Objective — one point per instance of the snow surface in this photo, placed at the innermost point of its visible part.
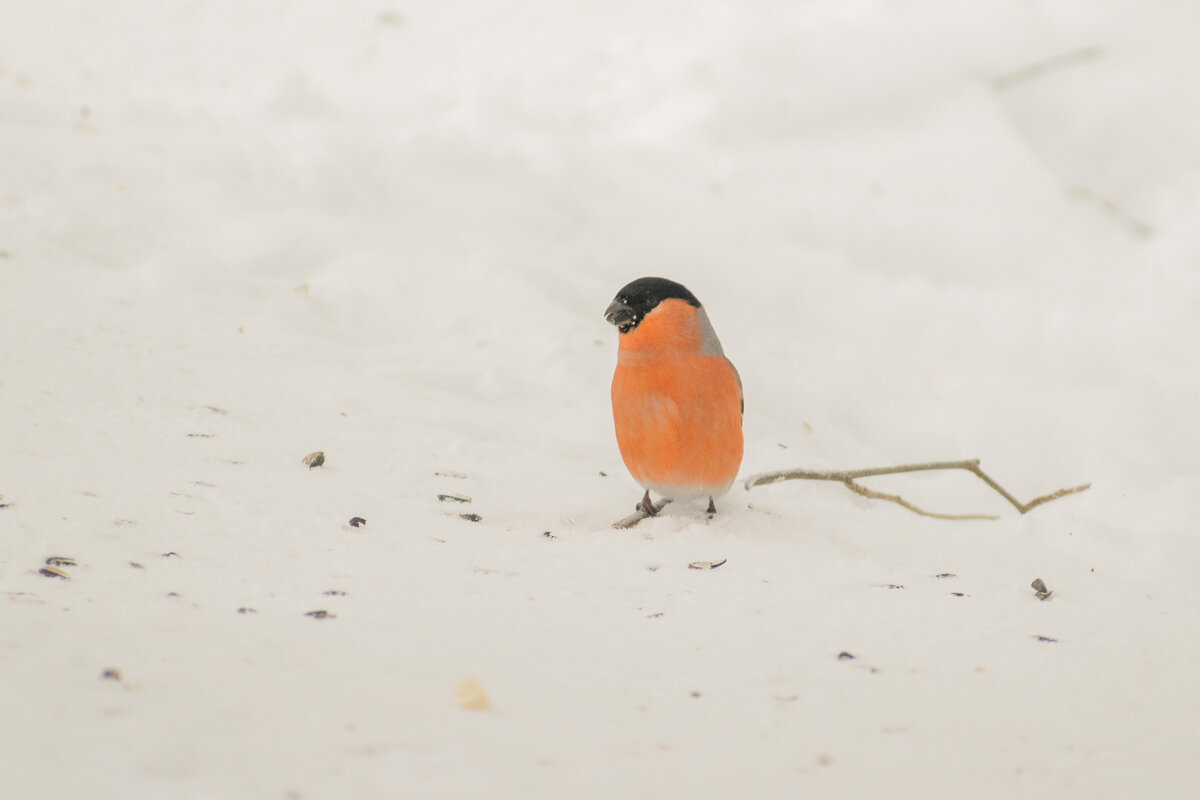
(235, 233)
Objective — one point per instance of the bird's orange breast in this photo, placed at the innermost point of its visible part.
(677, 409)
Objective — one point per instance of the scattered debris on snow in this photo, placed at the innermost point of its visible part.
(470, 695)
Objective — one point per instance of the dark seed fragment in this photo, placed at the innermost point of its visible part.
(357, 522)
(471, 517)
(111, 674)
(61, 561)
(454, 498)
(320, 614)
(844, 656)
(314, 459)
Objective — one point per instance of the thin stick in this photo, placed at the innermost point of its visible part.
(858, 488)
(639, 515)
(1131, 223)
(1040, 68)
(848, 477)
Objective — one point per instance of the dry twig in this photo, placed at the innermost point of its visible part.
(1046, 66)
(858, 488)
(850, 477)
(639, 515)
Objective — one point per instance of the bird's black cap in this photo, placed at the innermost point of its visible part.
(639, 298)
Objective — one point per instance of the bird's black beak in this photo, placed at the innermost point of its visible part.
(618, 313)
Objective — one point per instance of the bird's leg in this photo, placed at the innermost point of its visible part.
(712, 507)
(647, 506)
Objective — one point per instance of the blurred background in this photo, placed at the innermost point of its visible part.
(922, 232)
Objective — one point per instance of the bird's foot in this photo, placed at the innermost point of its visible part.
(644, 509)
(712, 507)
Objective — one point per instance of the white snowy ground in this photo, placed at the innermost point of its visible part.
(235, 233)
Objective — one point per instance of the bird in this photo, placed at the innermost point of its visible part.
(677, 400)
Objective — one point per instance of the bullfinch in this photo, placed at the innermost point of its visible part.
(677, 400)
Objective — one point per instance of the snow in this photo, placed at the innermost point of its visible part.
(233, 234)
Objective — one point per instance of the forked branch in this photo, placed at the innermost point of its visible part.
(850, 479)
